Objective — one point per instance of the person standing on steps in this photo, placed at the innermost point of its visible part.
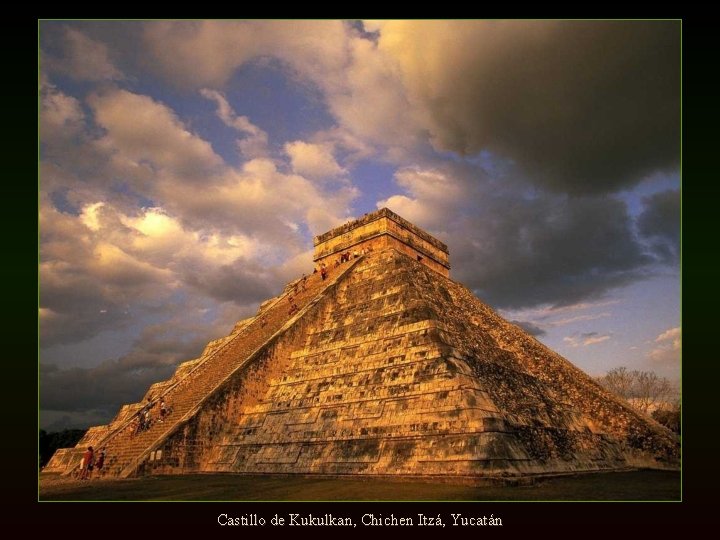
(146, 418)
(135, 426)
(163, 410)
(91, 464)
(87, 464)
(100, 461)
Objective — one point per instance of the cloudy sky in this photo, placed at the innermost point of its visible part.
(185, 167)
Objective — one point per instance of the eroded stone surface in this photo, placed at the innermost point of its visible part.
(400, 372)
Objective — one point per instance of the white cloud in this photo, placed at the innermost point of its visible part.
(579, 318)
(556, 316)
(361, 84)
(89, 216)
(313, 160)
(257, 199)
(162, 238)
(61, 116)
(111, 265)
(433, 200)
(144, 130)
(585, 339)
(228, 115)
(595, 339)
(84, 269)
(256, 140)
(207, 53)
(667, 350)
(202, 53)
(214, 231)
(371, 101)
(672, 335)
(104, 260)
(163, 161)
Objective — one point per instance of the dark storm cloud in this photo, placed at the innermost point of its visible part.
(556, 250)
(79, 316)
(518, 246)
(583, 106)
(91, 50)
(75, 305)
(236, 283)
(660, 224)
(107, 386)
(530, 328)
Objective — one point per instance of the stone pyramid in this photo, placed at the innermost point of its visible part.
(385, 368)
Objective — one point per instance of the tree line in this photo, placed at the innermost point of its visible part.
(646, 392)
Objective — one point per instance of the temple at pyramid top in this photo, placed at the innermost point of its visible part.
(380, 230)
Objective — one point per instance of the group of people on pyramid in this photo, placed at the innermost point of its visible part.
(90, 463)
(143, 419)
(344, 257)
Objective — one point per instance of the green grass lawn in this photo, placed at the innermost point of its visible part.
(646, 485)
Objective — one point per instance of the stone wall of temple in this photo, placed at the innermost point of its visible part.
(380, 230)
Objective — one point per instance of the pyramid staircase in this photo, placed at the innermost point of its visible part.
(126, 449)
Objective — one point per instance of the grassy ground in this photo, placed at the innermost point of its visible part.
(633, 485)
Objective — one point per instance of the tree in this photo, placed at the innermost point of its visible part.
(670, 418)
(651, 391)
(618, 381)
(644, 390)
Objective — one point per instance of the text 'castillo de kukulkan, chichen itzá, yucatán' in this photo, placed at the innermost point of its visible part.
(377, 364)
